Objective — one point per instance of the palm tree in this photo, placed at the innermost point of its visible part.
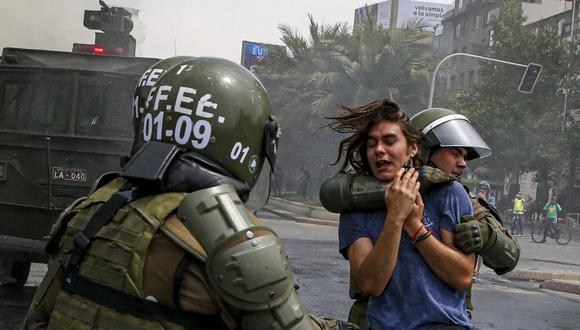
(336, 66)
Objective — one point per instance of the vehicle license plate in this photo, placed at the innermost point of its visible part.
(69, 174)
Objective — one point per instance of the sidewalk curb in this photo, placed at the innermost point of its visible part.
(298, 218)
(301, 212)
(562, 285)
(541, 276)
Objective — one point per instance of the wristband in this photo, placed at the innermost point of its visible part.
(414, 237)
(423, 237)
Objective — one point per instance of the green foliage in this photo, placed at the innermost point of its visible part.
(524, 130)
(334, 66)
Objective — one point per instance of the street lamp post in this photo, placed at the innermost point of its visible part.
(434, 78)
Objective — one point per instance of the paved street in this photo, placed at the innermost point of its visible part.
(500, 303)
(323, 278)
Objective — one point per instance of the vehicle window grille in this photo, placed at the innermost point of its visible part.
(34, 102)
(105, 107)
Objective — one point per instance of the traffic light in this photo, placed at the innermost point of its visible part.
(530, 78)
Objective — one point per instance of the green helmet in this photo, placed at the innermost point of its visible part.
(211, 106)
(445, 128)
(484, 184)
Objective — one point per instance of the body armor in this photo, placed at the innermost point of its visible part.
(125, 256)
(169, 243)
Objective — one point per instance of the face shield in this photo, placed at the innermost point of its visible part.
(261, 190)
(456, 131)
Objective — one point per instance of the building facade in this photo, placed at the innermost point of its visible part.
(466, 29)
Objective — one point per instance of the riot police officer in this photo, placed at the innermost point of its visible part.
(168, 243)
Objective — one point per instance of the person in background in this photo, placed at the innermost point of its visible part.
(278, 182)
(304, 183)
(484, 191)
(518, 211)
(552, 208)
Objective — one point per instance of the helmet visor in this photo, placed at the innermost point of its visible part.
(460, 133)
(261, 190)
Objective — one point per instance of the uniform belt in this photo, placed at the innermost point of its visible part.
(142, 308)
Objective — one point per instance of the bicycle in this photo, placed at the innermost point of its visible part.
(562, 234)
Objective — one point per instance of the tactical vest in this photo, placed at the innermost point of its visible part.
(136, 254)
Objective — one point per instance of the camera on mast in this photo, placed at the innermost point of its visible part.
(116, 25)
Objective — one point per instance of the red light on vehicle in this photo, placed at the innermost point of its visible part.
(98, 50)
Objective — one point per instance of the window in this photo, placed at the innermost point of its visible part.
(476, 22)
(566, 29)
(457, 30)
(491, 38)
(452, 83)
(38, 102)
(461, 80)
(459, 4)
(467, 25)
(485, 17)
(101, 106)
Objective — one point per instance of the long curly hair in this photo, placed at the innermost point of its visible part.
(358, 121)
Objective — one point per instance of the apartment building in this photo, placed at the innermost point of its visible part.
(466, 28)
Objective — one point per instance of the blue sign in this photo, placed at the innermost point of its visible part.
(254, 52)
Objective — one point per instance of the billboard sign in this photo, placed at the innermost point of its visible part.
(254, 52)
(379, 12)
(430, 12)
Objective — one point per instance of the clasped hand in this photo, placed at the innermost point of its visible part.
(403, 200)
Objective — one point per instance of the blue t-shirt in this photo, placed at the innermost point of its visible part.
(414, 296)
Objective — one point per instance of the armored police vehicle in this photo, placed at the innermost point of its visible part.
(65, 119)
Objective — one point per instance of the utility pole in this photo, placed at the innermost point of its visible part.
(394, 14)
(571, 66)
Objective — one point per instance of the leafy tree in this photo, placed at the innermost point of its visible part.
(335, 67)
(523, 129)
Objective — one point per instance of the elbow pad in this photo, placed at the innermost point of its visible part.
(501, 253)
(246, 264)
(351, 192)
(354, 192)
